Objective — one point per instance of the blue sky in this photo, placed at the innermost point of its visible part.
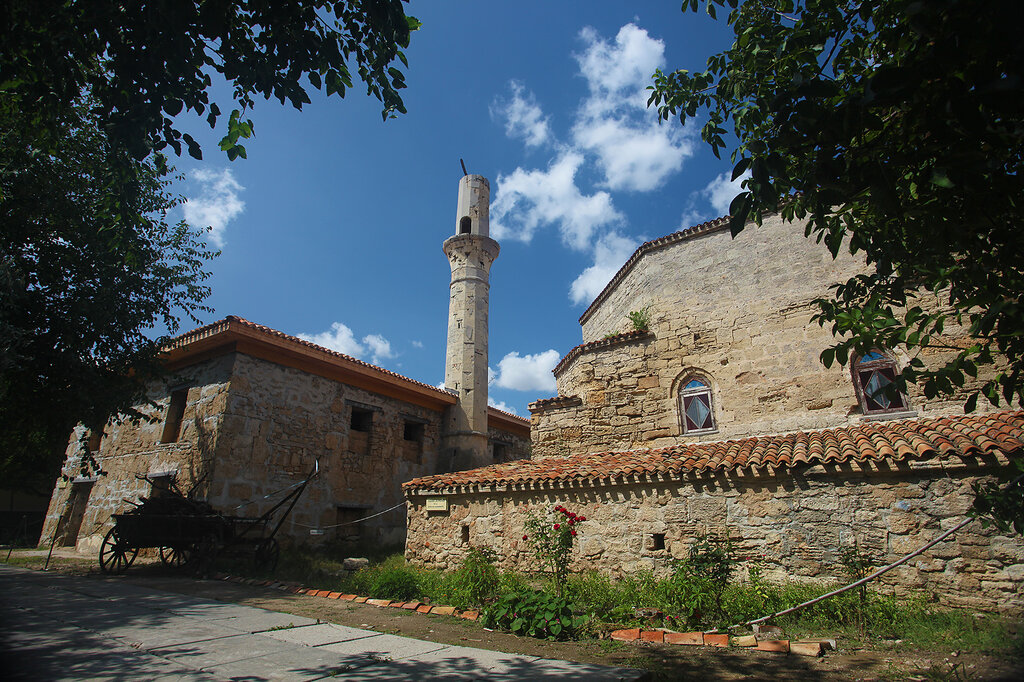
(332, 228)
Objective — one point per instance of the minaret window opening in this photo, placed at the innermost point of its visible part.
(465, 225)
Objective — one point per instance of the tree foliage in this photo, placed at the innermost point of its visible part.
(146, 62)
(895, 128)
(90, 262)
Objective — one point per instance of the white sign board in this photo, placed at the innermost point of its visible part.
(437, 504)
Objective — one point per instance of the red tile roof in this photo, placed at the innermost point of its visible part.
(912, 439)
(223, 325)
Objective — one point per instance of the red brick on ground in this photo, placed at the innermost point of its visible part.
(716, 640)
(653, 636)
(806, 648)
(424, 608)
(690, 638)
(444, 610)
(411, 605)
(778, 645)
(348, 597)
(626, 635)
(470, 615)
(378, 602)
(744, 640)
(334, 595)
(361, 600)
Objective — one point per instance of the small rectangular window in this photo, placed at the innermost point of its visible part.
(465, 535)
(362, 420)
(347, 525)
(500, 453)
(413, 432)
(657, 541)
(175, 413)
(95, 439)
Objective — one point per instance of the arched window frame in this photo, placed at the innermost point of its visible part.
(876, 363)
(687, 394)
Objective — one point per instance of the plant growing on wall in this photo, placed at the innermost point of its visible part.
(551, 535)
(641, 319)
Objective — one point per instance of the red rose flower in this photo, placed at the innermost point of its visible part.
(583, 518)
(574, 533)
(557, 526)
(524, 537)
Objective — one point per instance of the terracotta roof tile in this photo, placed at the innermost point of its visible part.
(961, 436)
(222, 325)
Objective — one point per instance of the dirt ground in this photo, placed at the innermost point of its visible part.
(666, 662)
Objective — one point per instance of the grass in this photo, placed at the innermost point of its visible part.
(614, 603)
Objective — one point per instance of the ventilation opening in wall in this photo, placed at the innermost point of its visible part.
(657, 541)
(412, 437)
(465, 535)
(465, 225)
(175, 414)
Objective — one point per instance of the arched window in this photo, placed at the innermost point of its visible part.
(872, 373)
(465, 225)
(696, 406)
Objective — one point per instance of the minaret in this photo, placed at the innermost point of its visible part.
(470, 253)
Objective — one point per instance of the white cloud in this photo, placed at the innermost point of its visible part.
(611, 251)
(613, 137)
(527, 200)
(217, 204)
(523, 117)
(634, 151)
(623, 70)
(501, 406)
(721, 191)
(417, 344)
(527, 372)
(340, 338)
(380, 348)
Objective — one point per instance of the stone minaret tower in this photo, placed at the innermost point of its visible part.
(470, 253)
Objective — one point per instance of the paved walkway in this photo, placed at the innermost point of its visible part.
(58, 627)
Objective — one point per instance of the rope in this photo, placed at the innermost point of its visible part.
(350, 523)
(866, 579)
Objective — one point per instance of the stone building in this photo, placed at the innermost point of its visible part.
(719, 418)
(247, 410)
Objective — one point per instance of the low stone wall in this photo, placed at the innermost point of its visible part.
(797, 522)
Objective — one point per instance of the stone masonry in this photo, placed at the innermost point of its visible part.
(791, 525)
(253, 426)
(734, 311)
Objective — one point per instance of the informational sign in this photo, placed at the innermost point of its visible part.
(439, 504)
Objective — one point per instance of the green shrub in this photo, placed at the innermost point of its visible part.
(477, 580)
(536, 614)
(400, 584)
(641, 319)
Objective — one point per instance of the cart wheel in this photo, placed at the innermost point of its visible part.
(175, 557)
(115, 554)
(267, 554)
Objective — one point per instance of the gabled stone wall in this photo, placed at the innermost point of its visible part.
(793, 525)
(734, 311)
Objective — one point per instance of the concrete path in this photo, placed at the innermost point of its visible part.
(58, 627)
